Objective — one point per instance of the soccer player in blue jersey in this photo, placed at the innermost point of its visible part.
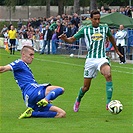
(36, 96)
(95, 36)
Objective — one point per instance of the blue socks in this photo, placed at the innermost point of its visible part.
(45, 114)
(54, 94)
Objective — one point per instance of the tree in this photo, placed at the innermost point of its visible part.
(76, 7)
(61, 7)
(93, 4)
(47, 8)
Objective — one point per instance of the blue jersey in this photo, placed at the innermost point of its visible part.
(31, 90)
(22, 74)
(24, 77)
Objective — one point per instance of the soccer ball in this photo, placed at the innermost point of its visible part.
(71, 55)
(115, 106)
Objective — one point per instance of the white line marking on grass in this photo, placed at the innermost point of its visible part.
(124, 67)
(65, 63)
(82, 65)
(122, 72)
(131, 73)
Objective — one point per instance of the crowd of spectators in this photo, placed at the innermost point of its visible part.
(68, 24)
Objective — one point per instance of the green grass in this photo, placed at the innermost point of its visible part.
(68, 73)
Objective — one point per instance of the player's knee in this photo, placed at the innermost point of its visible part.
(60, 90)
(63, 90)
(62, 114)
(107, 76)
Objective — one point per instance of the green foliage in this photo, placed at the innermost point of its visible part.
(83, 3)
(113, 2)
(68, 73)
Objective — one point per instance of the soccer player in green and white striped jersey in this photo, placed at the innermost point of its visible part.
(95, 36)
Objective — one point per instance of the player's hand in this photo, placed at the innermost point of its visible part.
(62, 37)
(119, 53)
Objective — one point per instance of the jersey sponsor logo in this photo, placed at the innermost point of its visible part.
(97, 37)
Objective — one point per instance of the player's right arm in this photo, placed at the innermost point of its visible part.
(5, 68)
(75, 37)
(68, 40)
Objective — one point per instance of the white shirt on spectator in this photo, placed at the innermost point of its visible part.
(120, 37)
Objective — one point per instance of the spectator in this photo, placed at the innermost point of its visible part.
(75, 20)
(60, 30)
(122, 10)
(54, 42)
(121, 43)
(5, 28)
(128, 11)
(40, 41)
(68, 29)
(74, 29)
(53, 25)
(47, 35)
(19, 24)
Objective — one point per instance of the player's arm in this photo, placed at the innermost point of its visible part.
(5, 68)
(68, 40)
(112, 40)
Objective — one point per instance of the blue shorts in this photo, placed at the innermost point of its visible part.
(35, 94)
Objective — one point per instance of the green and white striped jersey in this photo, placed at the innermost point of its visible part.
(95, 39)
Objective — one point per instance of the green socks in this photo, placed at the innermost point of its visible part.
(80, 95)
(109, 91)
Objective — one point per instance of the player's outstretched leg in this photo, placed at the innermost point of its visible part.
(53, 112)
(49, 111)
(78, 100)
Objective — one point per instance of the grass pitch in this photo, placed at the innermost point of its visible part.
(68, 73)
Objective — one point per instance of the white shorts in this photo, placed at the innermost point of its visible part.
(92, 66)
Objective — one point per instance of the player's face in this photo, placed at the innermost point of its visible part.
(95, 20)
(28, 56)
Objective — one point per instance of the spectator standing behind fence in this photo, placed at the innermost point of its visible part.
(54, 42)
(4, 29)
(121, 43)
(12, 34)
(60, 30)
(40, 40)
(53, 25)
(47, 35)
(74, 29)
(128, 11)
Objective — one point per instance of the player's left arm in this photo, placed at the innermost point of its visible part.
(5, 68)
(112, 40)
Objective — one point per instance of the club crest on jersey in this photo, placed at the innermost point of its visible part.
(97, 37)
